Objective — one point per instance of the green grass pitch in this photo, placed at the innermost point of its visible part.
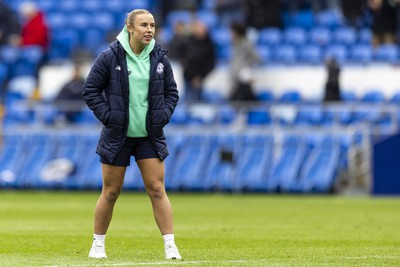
(55, 229)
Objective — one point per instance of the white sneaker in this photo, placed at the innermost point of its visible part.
(98, 250)
(171, 252)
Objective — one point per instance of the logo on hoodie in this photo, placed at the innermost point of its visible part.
(160, 68)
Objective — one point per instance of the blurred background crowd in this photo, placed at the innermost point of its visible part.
(46, 47)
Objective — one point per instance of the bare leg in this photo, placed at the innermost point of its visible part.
(152, 171)
(113, 179)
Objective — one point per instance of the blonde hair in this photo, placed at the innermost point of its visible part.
(130, 18)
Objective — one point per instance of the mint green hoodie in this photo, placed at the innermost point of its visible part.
(139, 74)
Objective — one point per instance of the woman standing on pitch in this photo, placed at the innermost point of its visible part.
(132, 91)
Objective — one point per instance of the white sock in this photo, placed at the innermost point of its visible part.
(101, 238)
(169, 239)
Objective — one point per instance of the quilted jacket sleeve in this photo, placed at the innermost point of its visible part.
(94, 87)
(171, 95)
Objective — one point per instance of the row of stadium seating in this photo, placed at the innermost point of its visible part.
(254, 161)
(96, 22)
(23, 61)
(330, 18)
(320, 36)
(385, 116)
(72, 6)
(379, 120)
(312, 54)
(19, 61)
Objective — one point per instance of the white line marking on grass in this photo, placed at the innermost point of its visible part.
(370, 257)
(155, 263)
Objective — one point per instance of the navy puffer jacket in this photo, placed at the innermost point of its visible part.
(106, 92)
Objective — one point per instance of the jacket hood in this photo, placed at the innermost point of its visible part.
(123, 38)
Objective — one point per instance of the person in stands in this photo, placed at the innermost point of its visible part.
(34, 28)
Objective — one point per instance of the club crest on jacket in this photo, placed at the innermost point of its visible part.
(160, 68)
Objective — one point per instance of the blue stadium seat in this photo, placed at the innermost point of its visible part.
(32, 53)
(310, 54)
(164, 34)
(181, 115)
(372, 114)
(348, 96)
(202, 114)
(91, 5)
(3, 74)
(63, 43)
(254, 164)
(101, 47)
(329, 18)
(295, 36)
(265, 95)
(49, 147)
(265, 54)
(345, 36)
(29, 60)
(213, 96)
(103, 21)
(303, 18)
(174, 147)
(365, 36)
(139, 4)
(271, 37)
(361, 54)
(25, 85)
(285, 54)
(286, 165)
(47, 5)
(9, 55)
(319, 171)
(69, 7)
(191, 164)
(259, 116)
(342, 115)
(338, 52)
(14, 4)
(209, 18)
(395, 97)
(92, 39)
(309, 115)
(387, 53)
(220, 173)
(80, 24)
(345, 115)
(89, 175)
(57, 21)
(226, 114)
(175, 16)
(222, 39)
(208, 4)
(86, 117)
(115, 6)
(320, 36)
(82, 144)
(373, 96)
(11, 158)
(290, 96)
(39, 152)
